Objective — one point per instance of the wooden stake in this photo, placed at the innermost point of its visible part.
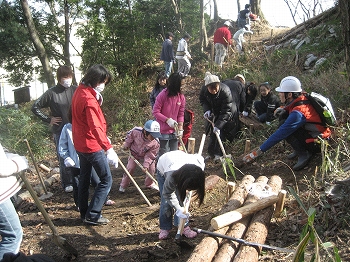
(230, 188)
(280, 203)
(247, 147)
(191, 145)
(45, 168)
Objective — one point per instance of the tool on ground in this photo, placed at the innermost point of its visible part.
(180, 138)
(47, 194)
(134, 182)
(57, 239)
(144, 170)
(225, 156)
(183, 221)
(242, 241)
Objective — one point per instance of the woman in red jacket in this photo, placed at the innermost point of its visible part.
(90, 140)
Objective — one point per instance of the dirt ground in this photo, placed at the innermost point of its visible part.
(132, 234)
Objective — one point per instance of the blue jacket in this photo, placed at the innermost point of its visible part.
(167, 53)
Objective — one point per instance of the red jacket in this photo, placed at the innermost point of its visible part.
(220, 34)
(89, 126)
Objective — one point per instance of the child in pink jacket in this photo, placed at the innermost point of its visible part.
(143, 144)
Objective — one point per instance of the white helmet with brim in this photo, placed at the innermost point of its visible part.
(289, 84)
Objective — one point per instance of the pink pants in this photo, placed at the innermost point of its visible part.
(131, 166)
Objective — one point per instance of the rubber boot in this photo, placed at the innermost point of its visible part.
(303, 159)
(292, 155)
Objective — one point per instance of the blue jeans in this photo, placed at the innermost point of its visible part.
(10, 229)
(99, 162)
(168, 67)
(167, 142)
(65, 175)
(166, 212)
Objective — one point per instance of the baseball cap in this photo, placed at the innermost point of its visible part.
(153, 128)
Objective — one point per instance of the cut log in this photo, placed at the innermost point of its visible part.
(191, 145)
(258, 228)
(207, 248)
(230, 248)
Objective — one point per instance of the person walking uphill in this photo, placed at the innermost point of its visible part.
(178, 172)
(183, 56)
(89, 131)
(217, 103)
(143, 144)
(300, 125)
(10, 183)
(169, 110)
(167, 53)
(58, 99)
(222, 39)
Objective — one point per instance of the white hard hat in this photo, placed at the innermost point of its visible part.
(153, 128)
(289, 84)
(228, 23)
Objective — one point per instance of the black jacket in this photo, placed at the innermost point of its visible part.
(221, 104)
(272, 102)
(237, 92)
(58, 99)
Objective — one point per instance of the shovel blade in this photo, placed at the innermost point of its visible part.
(64, 244)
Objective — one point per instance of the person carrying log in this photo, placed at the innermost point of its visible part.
(178, 172)
(143, 144)
(300, 125)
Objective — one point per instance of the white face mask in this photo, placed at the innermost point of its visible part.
(100, 87)
(67, 82)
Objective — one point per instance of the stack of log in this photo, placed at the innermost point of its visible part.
(246, 215)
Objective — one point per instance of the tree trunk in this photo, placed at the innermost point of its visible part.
(216, 12)
(258, 228)
(206, 249)
(203, 30)
(177, 14)
(229, 248)
(40, 49)
(344, 7)
(256, 9)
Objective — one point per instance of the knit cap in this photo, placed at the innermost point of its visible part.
(209, 78)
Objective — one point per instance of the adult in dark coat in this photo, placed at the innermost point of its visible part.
(217, 103)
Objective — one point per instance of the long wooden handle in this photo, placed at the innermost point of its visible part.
(35, 165)
(146, 171)
(221, 145)
(201, 145)
(38, 203)
(182, 221)
(134, 182)
(180, 138)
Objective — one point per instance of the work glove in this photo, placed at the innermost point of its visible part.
(216, 130)
(20, 161)
(180, 133)
(68, 162)
(279, 111)
(207, 114)
(245, 113)
(171, 122)
(252, 155)
(268, 123)
(112, 157)
(180, 214)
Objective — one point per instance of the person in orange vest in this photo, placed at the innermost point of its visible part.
(300, 125)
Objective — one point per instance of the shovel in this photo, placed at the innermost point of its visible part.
(57, 239)
(47, 194)
(242, 241)
(225, 156)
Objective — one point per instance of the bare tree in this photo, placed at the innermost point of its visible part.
(216, 12)
(40, 49)
(176, 6)
(203, 31)
(344, 7)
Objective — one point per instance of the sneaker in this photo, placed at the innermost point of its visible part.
(154, 186)
(217, 158)
(303, 160)
(163, 234)
(189, 233)
(121, 189)
(68, 189)
(101, 221)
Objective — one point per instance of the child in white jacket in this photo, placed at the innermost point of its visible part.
(67, 151)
